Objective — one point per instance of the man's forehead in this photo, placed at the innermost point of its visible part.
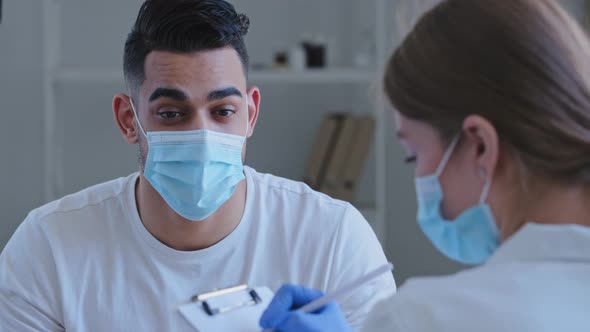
(197, 72)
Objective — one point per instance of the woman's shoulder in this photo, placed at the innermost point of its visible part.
(448, 303)
(493, 297)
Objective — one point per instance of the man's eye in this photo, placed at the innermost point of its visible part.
(224, 113)
(169, 115)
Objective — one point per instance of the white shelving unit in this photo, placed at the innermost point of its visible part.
(57, 74)
(328, 76)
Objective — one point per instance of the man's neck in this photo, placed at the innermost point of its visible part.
(179, 233)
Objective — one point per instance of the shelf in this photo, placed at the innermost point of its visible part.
(335, 75)
(88, 75)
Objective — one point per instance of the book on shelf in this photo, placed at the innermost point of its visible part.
(326, 138)
(339, 154)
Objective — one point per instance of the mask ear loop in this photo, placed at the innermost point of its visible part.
(136, 117)
(247, 123)
(447, 155)
(485, 191)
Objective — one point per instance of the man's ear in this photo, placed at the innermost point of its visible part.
(484, 137)
(253, 108)
(124, 117)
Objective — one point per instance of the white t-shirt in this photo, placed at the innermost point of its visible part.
(87, 263)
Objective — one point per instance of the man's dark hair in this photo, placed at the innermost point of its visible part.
(183, 26)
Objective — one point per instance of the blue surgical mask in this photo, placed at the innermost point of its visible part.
(195, 171)
(472, 237)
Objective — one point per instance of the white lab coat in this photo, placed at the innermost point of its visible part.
(538, 280)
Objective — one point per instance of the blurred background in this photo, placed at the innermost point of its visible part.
(315, 61)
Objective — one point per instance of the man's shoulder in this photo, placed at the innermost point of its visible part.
(293, 204)
(283, 188)
(82, 202)
(64, 227)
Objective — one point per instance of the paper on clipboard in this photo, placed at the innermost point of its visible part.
(243, 319)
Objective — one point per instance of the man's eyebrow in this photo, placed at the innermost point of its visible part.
(171, 93)
(223, 93)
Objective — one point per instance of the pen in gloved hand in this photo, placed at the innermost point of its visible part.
(343, 291)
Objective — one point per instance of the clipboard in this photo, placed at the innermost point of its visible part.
(234, 309)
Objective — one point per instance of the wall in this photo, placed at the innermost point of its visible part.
(578, 8)
(21, 105)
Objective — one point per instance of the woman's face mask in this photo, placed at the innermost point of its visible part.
(468, 234)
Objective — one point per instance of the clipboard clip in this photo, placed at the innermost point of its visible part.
(213, 310)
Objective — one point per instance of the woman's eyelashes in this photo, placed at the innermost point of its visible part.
(410, 159)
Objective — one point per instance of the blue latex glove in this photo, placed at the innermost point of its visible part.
(281, 314)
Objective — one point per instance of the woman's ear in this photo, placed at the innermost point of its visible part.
(484, 136)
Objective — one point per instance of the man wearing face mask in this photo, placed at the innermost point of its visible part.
(122, 255)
